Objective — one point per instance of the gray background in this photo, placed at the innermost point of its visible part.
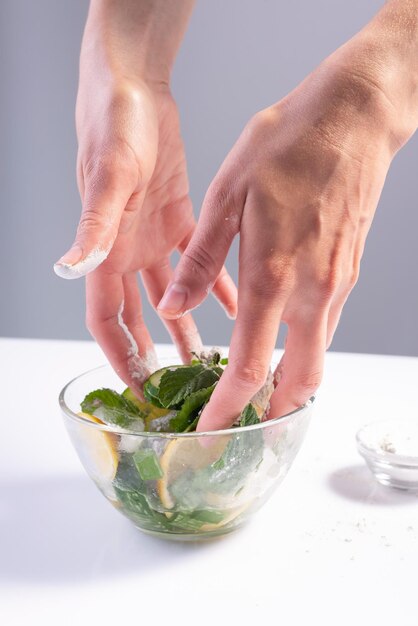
(238, 56)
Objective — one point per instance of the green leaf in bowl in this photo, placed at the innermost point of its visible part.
(112, 408)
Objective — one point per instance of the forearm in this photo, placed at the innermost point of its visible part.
(385, 53)
(136, 38)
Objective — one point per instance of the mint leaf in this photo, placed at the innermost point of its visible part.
(147, 464)
(111, 407)
(210, 516)
(249, 416)
(195, 520)
(190, 409)
(177, 384)
(211, 358)
(137, 508)
(127, 477)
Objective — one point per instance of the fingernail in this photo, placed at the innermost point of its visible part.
(71, 257)
(231, 313)
(173, 300)
(71, 265)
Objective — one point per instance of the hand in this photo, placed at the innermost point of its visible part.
(300, 187)
(136, 210)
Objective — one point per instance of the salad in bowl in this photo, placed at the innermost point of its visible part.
(148, 460)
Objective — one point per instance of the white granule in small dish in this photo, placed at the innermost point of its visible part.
(392, 436)
(386, 445)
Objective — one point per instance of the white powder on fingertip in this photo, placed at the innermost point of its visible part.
(140, 367)
(83, 267)
(133, 346)
(193, 341)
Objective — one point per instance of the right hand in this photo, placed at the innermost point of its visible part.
(136, 211)
(300, 187)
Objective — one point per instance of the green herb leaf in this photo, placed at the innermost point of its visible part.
(224, 361)
(186, 522)
(147, 464)
(136, 506)
(210, 516)
(188, 414)
(195, 520)
(127, 477)
(111, 407)
(177, 384)
(249, 416)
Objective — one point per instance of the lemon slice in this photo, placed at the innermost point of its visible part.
(100, 450)
(181, 455)
(152, 413)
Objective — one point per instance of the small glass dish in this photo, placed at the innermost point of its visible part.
(390, 449)
(170, 485)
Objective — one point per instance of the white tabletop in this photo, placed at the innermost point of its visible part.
(330, 547)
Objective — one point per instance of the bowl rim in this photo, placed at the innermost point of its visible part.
(121, 431)
(390, 458)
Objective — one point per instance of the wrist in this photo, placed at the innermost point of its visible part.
(137, 40)
(383, 57)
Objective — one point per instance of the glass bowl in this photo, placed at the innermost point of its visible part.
(184, 486)
(390, 449)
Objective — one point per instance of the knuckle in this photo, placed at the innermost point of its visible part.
(248, 375)
(268, 280)
(220, 192)
(261, 123)
(222, 199)
(199, 262)
(263, 288)
(110, 169)
(353, 278)
(92, 220)
(304, 386)
(328, 282)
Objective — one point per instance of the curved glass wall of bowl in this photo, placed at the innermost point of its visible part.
(182, 486)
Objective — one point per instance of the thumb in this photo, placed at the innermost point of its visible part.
(202, 260)
(107, 190)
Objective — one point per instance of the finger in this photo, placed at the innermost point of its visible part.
(226, 293)
(114, 318)
(202, 260)
(107, 189)
(260, 307)
(334, 318)
(302, 366)
(223, 289)
(183, 331)
(341, 297)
